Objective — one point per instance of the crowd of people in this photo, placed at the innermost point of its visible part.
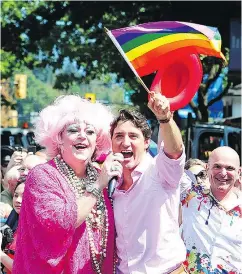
(166, 215)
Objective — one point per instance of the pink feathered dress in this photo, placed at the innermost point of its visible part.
(48, 241)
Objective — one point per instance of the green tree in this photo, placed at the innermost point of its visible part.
(214, 70)
(41, 33)
(39, 94)
(13, 54)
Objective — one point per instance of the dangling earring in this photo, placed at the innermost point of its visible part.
(60, 150)
(94, 155)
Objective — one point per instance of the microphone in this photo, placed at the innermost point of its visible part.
(111, 186)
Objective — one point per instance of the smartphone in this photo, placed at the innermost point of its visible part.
(32, 149)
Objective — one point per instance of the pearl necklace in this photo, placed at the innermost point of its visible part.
(97, 219)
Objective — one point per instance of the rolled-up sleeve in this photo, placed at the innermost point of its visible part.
(171, 170)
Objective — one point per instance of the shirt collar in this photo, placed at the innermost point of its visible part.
(141, 167)
(238, 201)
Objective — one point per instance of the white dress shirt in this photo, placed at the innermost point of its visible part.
(146, 218)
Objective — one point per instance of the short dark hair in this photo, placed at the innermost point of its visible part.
(136, 118)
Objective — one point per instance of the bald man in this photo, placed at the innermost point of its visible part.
(212, 218)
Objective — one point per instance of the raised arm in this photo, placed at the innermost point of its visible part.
(169, 132)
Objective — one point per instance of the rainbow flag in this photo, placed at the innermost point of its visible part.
(144, 46)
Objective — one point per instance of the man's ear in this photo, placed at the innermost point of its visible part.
(240, 174)
(147, 143)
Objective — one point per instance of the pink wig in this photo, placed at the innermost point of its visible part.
(69, 109)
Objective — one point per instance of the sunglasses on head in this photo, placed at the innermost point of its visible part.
(202, 174)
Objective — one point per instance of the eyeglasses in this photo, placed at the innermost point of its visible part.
(202, 175)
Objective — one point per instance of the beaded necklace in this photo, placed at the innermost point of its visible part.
(97, 219)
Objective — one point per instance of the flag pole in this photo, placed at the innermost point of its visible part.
(109, 33)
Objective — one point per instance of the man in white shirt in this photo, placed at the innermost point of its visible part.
(146, 200)
(212, 218)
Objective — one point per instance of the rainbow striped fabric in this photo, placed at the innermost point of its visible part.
(144, 45)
